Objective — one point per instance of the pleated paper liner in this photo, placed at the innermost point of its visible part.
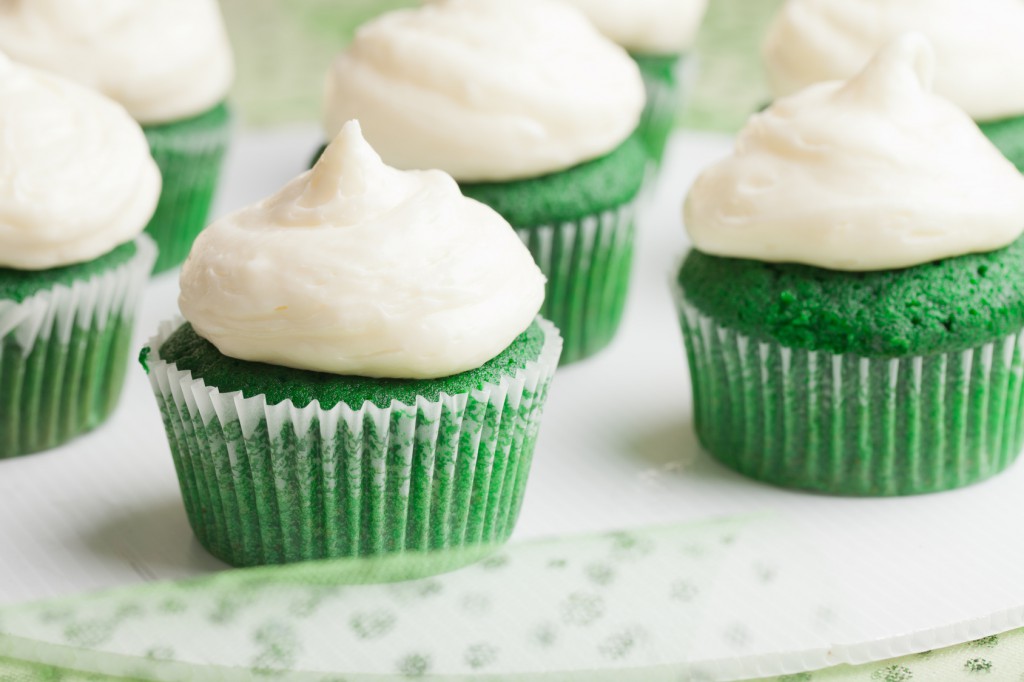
(853, 425)
(588, 263)
(190, 155)
(270, 484)
(63, 354)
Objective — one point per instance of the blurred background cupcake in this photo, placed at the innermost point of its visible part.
(383, 397)
(659, 35)
(168, 62)
(79, 186)
(853, 307)
(534, 113)
(978, 49)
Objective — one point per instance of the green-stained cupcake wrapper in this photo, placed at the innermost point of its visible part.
(269, 484)
(664, 102)
(63, 354)
(588, 263)
(190, 162)
(853, 425)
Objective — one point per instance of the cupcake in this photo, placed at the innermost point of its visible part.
(78, 185)
(534, 113)
(362, 371)
(658, 35)
(853, 307)
(168, 63)
(978, 49)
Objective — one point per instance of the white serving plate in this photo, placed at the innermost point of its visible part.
(851, 580)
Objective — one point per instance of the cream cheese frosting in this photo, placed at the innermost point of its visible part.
(870, 174)
(486, 90)
(163, 60)
(76, 176)
(649, 27)
(357, 268)
(978, 46)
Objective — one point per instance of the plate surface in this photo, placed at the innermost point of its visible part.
(821, 580)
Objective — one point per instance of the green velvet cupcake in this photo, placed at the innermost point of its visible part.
(169, 64)
(80, 187)
(864, 383)
(383, 398)
(190, 154)
(504, 97)
(279, 465)
(854, 314)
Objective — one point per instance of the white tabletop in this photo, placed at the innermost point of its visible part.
(617, 450)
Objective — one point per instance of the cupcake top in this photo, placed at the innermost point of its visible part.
(647, 27)
(76, 177)
(870, 174)
(357, 268)
(978, 46)
(486, 90)
(162, 59)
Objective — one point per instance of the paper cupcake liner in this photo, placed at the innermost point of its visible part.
(853, 425)
(588, 263)
(63, 354)
(270, 484)
(664, 101)
(190, 161)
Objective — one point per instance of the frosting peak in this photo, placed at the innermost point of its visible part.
(902, 70)
(978, 48)
(76, 176)
(875, 173)
(349, 184)
(486, 90)
(357, 268)
(161, 59)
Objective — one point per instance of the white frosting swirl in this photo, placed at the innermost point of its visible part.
(360, 269)
(486, 90)
(872, 174)
(647, 26)
(163, 60)
(978, 45)
(76, 177)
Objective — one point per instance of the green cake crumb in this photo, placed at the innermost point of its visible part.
(212, 119)
(939, 307)
(189, 351)
(18, 285)
(600, 185)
